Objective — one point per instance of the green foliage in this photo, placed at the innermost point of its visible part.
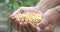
(12, 5)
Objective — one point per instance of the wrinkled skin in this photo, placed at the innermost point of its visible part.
(48, 23)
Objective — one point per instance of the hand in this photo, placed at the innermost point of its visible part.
(49, 21)
(47, 24)
(18, 25)
(51, 18)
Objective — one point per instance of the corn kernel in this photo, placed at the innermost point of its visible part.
(29, 17)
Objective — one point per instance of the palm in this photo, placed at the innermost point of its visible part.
(50, 17)
(14, 22)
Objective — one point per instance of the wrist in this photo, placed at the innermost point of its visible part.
(39, 9)
(44, 5)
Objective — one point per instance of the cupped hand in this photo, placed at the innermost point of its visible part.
(22, 27)
(49, 21)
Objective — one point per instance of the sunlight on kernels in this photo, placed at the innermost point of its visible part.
(29, 17)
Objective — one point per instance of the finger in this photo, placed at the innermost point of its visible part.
(27, 27)
(15, 24)
(34, 28)
(24, 29)
(20, 27)
(12, 21)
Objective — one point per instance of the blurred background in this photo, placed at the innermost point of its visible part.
(9, 6)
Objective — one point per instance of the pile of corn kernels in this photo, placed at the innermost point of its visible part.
(29, 17)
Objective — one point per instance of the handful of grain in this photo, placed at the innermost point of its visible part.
(29, 17)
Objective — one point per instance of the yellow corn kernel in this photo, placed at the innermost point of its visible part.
(29, 17)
